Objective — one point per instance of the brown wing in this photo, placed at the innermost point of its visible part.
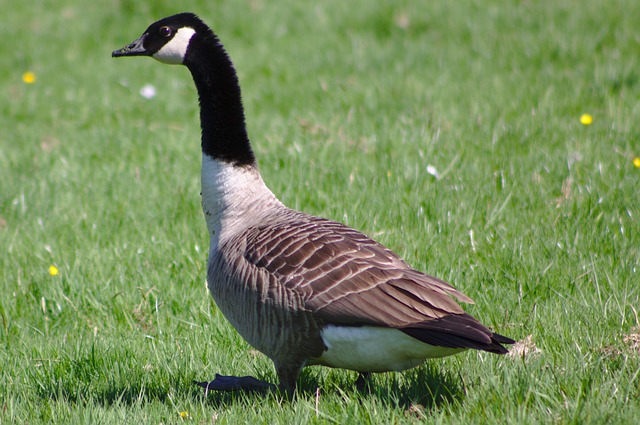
(345, 277)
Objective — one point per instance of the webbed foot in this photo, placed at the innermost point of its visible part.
(236, 383)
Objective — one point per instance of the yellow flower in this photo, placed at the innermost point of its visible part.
(586, 119)
(184, 414)
(29, 77)
(636, 162)
(53, 271)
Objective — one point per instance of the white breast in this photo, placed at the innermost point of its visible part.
(233, 198)
(375, 349)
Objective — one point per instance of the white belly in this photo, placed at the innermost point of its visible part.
(375, 349)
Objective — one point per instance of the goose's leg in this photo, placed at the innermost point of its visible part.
(363, 381)
(236, 383)
(288, 376)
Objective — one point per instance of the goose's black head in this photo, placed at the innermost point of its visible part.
(168, 39)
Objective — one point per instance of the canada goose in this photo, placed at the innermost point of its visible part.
(301, 289)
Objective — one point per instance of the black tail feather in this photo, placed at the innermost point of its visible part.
(459, 331)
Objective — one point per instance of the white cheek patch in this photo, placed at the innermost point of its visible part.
(175, 50)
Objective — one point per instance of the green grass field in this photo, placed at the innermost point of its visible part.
(533, 214)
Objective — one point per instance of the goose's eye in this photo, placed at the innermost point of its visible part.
(165, 31)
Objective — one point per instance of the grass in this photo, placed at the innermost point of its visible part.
(534, 215)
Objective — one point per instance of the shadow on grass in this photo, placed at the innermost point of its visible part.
(79, 386)
(105, 395)
(426, 387)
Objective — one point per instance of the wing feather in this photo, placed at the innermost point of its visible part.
(346, 277)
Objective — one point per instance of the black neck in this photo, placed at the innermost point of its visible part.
(224, 134)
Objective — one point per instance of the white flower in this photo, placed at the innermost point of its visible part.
(432, 170)
(148, 91)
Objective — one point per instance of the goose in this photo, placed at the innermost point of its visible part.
(301, 289)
